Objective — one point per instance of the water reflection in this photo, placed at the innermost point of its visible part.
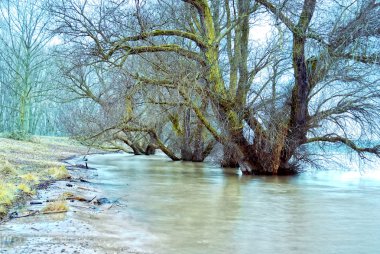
(199, 208)
(7, 241)
(177, 207)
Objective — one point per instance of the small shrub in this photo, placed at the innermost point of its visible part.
(3, 211)
(59, 172)
(66, 195)
(7, 169)
(7, 193)
(56, 206)
(26, 189)
(19, 135)
(30, 178)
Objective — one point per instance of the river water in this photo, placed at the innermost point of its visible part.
(180, 207)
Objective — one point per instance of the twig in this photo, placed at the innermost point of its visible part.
(87, 189)
(92, 199)
(27, 215)
(77, 198)
(52, 212)
(35, 202)
(80, 206)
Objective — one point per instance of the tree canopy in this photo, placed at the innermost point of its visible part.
(265, 80)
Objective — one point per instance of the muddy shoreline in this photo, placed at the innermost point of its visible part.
(68, 232)
(75, 171)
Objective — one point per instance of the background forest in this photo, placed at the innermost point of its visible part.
(258, 84)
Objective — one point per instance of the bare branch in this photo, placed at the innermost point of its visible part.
(347, 142)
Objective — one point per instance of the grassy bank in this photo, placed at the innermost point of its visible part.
(26, 164)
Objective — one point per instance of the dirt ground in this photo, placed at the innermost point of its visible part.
(34, 173)
(66, 232)
(26, 165)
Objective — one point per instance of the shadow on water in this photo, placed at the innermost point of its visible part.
(9, 241)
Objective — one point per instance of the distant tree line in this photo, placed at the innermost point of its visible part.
(263, 80)
(27, 71)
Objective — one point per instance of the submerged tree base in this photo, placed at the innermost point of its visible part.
(288, 171)
(229, 164)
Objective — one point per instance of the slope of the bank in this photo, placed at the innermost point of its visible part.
(24, 165)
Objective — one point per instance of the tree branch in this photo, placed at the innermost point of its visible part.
(366, 59)
(235, 23)
(151, 49)
(349, 143)
(277, 12)
(191, 36)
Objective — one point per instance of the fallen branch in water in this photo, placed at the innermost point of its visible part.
(34, 213)
(35, 202)
(92, 199)
(77, 198)
(26, 215)
(87, 189)
(52, 212)
(81, 206)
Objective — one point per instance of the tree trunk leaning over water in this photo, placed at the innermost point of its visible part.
(320, 102)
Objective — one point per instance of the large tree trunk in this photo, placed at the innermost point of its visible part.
(297, 128)
(272, 156)
(136, 150)
(229, 158)
(193, 144)
(162, 146)
(150, 149)
(198, 152)
(252, 162)
(186, 153)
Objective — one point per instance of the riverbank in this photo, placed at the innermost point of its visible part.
(56, 213)
(31, 230)
(83, 228)
(185, 207)
(26, 166)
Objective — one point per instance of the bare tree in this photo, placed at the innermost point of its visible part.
(308, 82)
(25, 77)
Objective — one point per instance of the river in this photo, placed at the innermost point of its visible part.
(180, 207)
(191, 208)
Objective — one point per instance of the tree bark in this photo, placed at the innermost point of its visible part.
(229, 158)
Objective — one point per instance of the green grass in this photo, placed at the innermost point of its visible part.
(56, 206)
(26, 163)
(30, 178)
(25, 188)
(8, 194)
(58, 173)
(7, 169)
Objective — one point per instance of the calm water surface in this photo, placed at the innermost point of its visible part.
(177, 207)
